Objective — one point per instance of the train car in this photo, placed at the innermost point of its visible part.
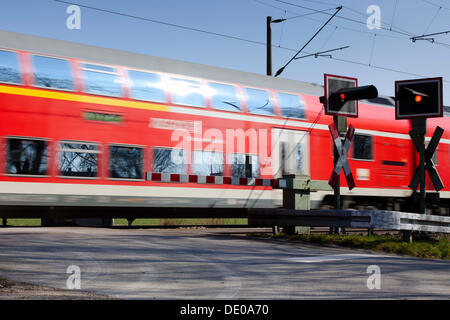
(80, 126)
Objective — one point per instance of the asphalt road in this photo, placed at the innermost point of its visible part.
(211, 264)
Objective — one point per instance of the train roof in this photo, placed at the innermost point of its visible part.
(48, 46)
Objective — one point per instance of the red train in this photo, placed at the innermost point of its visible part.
(81, 125)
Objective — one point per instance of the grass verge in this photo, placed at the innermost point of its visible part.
(434, 249)
(181, 222)
(142, 222)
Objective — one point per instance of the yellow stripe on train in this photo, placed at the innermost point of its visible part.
(81, 98)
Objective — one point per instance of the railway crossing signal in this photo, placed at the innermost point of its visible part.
(420, 98)
(429, 164)
(342, 95)
(342, 162)
(341, 101)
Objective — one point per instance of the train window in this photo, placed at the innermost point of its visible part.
(208, 163)
(78, 159)
(9, 67)
(291, 106)
(101, 80)
(146, 86)
(26, 156)
(52, 73)
(259, 102)
(186, 92)
(125, 162)
(245, 166)
(362, 147)
(224, 97)
(169, 160)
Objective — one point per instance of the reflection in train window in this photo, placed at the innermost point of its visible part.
(101, 80)
(186, 92)
(362, 147)
(292, 162)
(125, 162)
(300, 158)
(146, 86)
(26, 156)
(224, 97)
(259, 102)
(78, 159)
(9, 67)
(208, 163)
(169, 160)
(52, 73)
(291, 106)
(245, 166)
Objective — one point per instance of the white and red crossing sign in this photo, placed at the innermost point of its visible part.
(237, 181)
(342, 162)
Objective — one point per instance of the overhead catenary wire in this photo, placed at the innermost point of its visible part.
(398, 30)
(373, 48)
(232, 37)
(282, 29)
(393, 14)
(320, 53)
(318, 31)
(436, 5)
(331, 24)
(432, 20)
(329, 38)
(343, 17)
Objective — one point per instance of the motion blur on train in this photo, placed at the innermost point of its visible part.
(80, 126)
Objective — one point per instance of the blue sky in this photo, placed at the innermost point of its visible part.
(372, 55)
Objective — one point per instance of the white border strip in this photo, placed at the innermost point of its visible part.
(292, 123)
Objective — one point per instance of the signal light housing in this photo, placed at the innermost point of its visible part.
(358, 93)
(342, 95)
(421, 98)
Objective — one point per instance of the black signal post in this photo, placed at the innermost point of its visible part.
(418, 100)
(341, 101)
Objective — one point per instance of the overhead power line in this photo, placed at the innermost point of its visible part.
(294, 57)
(399, 30)
(321, 53)
(331, 24)
(436, 5)
(424, 36)
(232, 37)
(346, 18)
(432, 20)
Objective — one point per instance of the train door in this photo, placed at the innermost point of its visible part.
(394, 165)
(290, 152)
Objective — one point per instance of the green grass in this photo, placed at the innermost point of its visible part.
(22, 222)
(434, 249)
(140, 222)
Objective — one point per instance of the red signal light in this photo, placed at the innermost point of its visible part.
(418, 98)
(342, 95)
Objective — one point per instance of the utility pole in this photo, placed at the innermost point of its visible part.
(269, 22)
(269, 63)
(269, 46)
